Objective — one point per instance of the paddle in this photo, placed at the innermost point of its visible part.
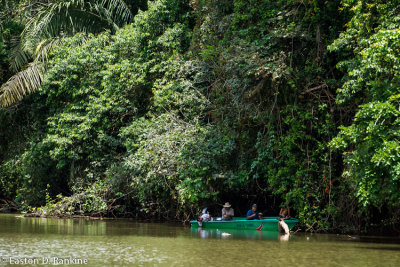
(260, 227)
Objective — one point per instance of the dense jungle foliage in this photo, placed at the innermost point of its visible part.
(156, 109)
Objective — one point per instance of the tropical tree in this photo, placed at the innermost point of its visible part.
(371, 143)
(49, 22)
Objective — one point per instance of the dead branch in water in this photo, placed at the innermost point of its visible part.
(310, 227)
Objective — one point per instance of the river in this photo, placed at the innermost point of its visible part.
(121, 242)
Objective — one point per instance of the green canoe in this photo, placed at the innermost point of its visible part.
(237, 234)
(239, 223)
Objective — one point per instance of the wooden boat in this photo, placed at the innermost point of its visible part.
(240, 223)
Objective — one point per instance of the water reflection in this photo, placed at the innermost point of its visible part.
(132, 243)
(284, 237)
(57, 226)
(238, 234)
(82, 226)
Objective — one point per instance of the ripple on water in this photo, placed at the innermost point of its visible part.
(126, 243)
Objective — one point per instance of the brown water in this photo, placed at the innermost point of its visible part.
(130, 243)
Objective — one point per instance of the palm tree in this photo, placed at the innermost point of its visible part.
(50, 21)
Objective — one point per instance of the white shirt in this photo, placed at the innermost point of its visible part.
(205, 217)
(227, 212)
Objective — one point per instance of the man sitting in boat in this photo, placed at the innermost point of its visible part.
(253, 214)
(227, 212)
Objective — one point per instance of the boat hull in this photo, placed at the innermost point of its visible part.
(266, 224)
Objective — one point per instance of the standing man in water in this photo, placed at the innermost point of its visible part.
(253, 214)
(284, 213)
(227, 212)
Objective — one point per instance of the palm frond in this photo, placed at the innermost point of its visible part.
(30, 79)
(68, 17)
(18, 57)
(75, 16)
(43, 49)
(37, 29)
(50, 21)
(21, 84)
(119, 11)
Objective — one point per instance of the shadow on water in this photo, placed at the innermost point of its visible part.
(378, 239)
(382, 248)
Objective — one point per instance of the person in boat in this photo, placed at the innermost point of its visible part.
(284, 213)
(227, 212)
(205, 217)
(253, 214)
